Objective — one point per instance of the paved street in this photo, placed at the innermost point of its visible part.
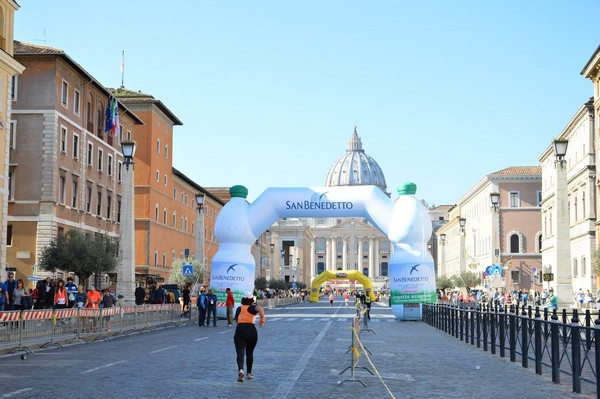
(300, 354)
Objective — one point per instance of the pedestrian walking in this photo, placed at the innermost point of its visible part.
(186, 301)
(229, 302)
(107, 301)
(140, 295)
(211, 308)
(246, 336)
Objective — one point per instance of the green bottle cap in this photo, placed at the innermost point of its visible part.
(408, 188)
(238, 191)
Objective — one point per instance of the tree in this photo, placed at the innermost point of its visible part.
(176, 273)
(596, 262)
(260, 283)
(467, 280)
(444, 282)
(80, 254)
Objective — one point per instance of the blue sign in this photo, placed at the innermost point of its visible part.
(493, 270)
(188, 270)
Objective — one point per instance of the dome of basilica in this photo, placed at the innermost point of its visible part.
(356, 168)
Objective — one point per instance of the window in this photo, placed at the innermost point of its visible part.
(74, 192)
(99, 205)
(63, 139)
(165, 215)
(13, 87)
(156, 212)
(12, 131)
(108, 206)
(11, 184)
(9, 235)
(164, 260)
(109, 165)
(174, 219)
(514, 200)
(583, 214)
(61, 188)
(539, 199)
(90, 154)
(583, 266)
(515, 276)
(119, 209)
(99, 120)
(514, 244)
(75, 146)
(157, 176)
(174, 193)
(575, 208)
(166, 151)
(166, 181)
(88, 111)
(129, 135)
(155, 258)
(88, 198)
(119, 171)
(64, 96)
(158, 145)
(575, 271)
(76, 102)
(100, 157)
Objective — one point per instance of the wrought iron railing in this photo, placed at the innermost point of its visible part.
(565, 344)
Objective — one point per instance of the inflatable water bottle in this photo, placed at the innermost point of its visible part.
(233, 265)
(412, 274)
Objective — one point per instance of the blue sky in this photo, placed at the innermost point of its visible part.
(442, 92)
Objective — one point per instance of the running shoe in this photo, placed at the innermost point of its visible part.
(241, 376)
(250, 376)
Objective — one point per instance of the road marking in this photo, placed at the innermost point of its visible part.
(11, 394)
(200, 339)
(288, 383)
(225, 332)
(102, 367)
(163, 349)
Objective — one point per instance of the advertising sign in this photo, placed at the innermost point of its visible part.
(412, 283)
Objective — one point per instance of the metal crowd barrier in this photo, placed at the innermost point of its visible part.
(537, 337)
(22, 330)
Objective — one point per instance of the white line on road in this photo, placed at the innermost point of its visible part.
(163, 349)
(102, 367)
(15, 393)
(225, 332)
(200, 339)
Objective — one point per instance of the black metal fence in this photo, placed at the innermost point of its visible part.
(565, 344)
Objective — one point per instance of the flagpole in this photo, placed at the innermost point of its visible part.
(122, 68)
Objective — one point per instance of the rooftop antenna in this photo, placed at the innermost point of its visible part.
(122, 68)
(42, 40)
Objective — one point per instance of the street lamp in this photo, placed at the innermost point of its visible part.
(128, 148)
(495, 199)
(560, 150)
(461, 223)
(443, 238)
(272, 246)
(126, 272)
(200, 232)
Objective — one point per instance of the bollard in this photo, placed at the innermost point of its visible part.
(502, 322)
(555, 348)
(576, 352)
(512, 335)
(538, 341)
(524, 340)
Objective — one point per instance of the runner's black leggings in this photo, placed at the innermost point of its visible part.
(245, 340)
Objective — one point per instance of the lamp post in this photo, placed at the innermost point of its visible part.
(562, 246)
(281, 263)
(271, 261)
(461, 237)
(442, 266)
(495, 204)
(126, 273)
(199, 254)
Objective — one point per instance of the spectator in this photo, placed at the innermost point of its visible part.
(80, 297)
(159, 296)
(93, 301)
(170, 297)
(140, 295)
(18, 294)
(26, 301)
(9, 286)
(186, 299)
(211, 308)
(3, 297)
(71, 291)
(107, 301)
(201, 303)
(37, 294)
(48, 294)
(60, 295)
(229, 302)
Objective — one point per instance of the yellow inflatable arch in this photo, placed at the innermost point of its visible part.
(340, 275)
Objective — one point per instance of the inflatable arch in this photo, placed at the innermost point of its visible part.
(404, 220)
(339, 274)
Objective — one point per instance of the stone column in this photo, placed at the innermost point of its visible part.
(561, 266)
(360, 256)
(345, 253)
(333, 253)
(126, 272)
(371, 256)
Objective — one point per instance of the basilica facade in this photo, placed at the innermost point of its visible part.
(295, 249)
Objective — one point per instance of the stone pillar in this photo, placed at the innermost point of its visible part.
(313, 264)
(345, 253)
(333, 253)
(561, 265)
(371, 256)
(126, 272)
(360, 256)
